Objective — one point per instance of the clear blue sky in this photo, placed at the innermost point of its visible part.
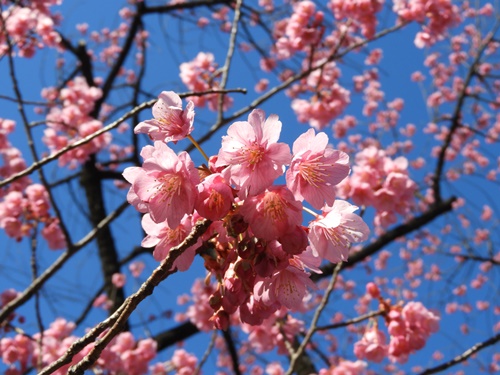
(400, 59)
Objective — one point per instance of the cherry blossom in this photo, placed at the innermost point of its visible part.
(166, 184)
(171, 123)
(272, 213)
(315, 169)
(163, 238)
(215, 197)
(332, 232)
(371, 346)
(251, 154)
(288, 287)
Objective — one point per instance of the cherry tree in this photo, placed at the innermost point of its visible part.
(263, 187)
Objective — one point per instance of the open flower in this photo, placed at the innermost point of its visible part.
(315, 169)
(165, 184)
(163, 238)
(171, 123)
(332, 233)
(273, 213)
(288, 287)
(251, 153)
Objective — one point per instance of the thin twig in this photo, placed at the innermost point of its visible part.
(120, 316)
(38, 315)
(314, 321)
(229, 56)
(210, 347)
(54, 267)
(351, 321)
(462, 357)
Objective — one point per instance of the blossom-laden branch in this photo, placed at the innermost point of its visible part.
(27, 129)
(349, 322)
(288, 82)
(56, 155)
(115, 322)
(456, 118)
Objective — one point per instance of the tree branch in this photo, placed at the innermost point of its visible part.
(462, 357)
(118, 319)
(47, 274)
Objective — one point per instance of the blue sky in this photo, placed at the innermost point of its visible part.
(400, 59)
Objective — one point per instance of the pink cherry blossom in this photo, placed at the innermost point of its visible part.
(315, 169)
(288, 287)
(372, 346)
(254, 312)
(419, 318)
(362, 12)
(200, 74)
(272, 213)
(171, 123)
(270, 258)
(332, 233)
(183, 362)
(215, 197)
(251, 153)
(53, 234)
(294, 241)
(163, 238)
(118, 280)
(346, 368)
(136, 268)
(38, 199)
(166, 183)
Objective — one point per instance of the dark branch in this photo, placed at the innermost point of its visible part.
(462, 357)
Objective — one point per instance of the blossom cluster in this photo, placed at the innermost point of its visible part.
(182, 363)
(5, 297)
(328, 101)
(256, 246)
(24, 204)
(363, 13)
(124, 355)
(201, 74)
(272, 333)
(29, 27)
(72, 121)
(302, 32)
(299, 32)
(439, 14)
(409, 327)
(20, 212)
(381, 182)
